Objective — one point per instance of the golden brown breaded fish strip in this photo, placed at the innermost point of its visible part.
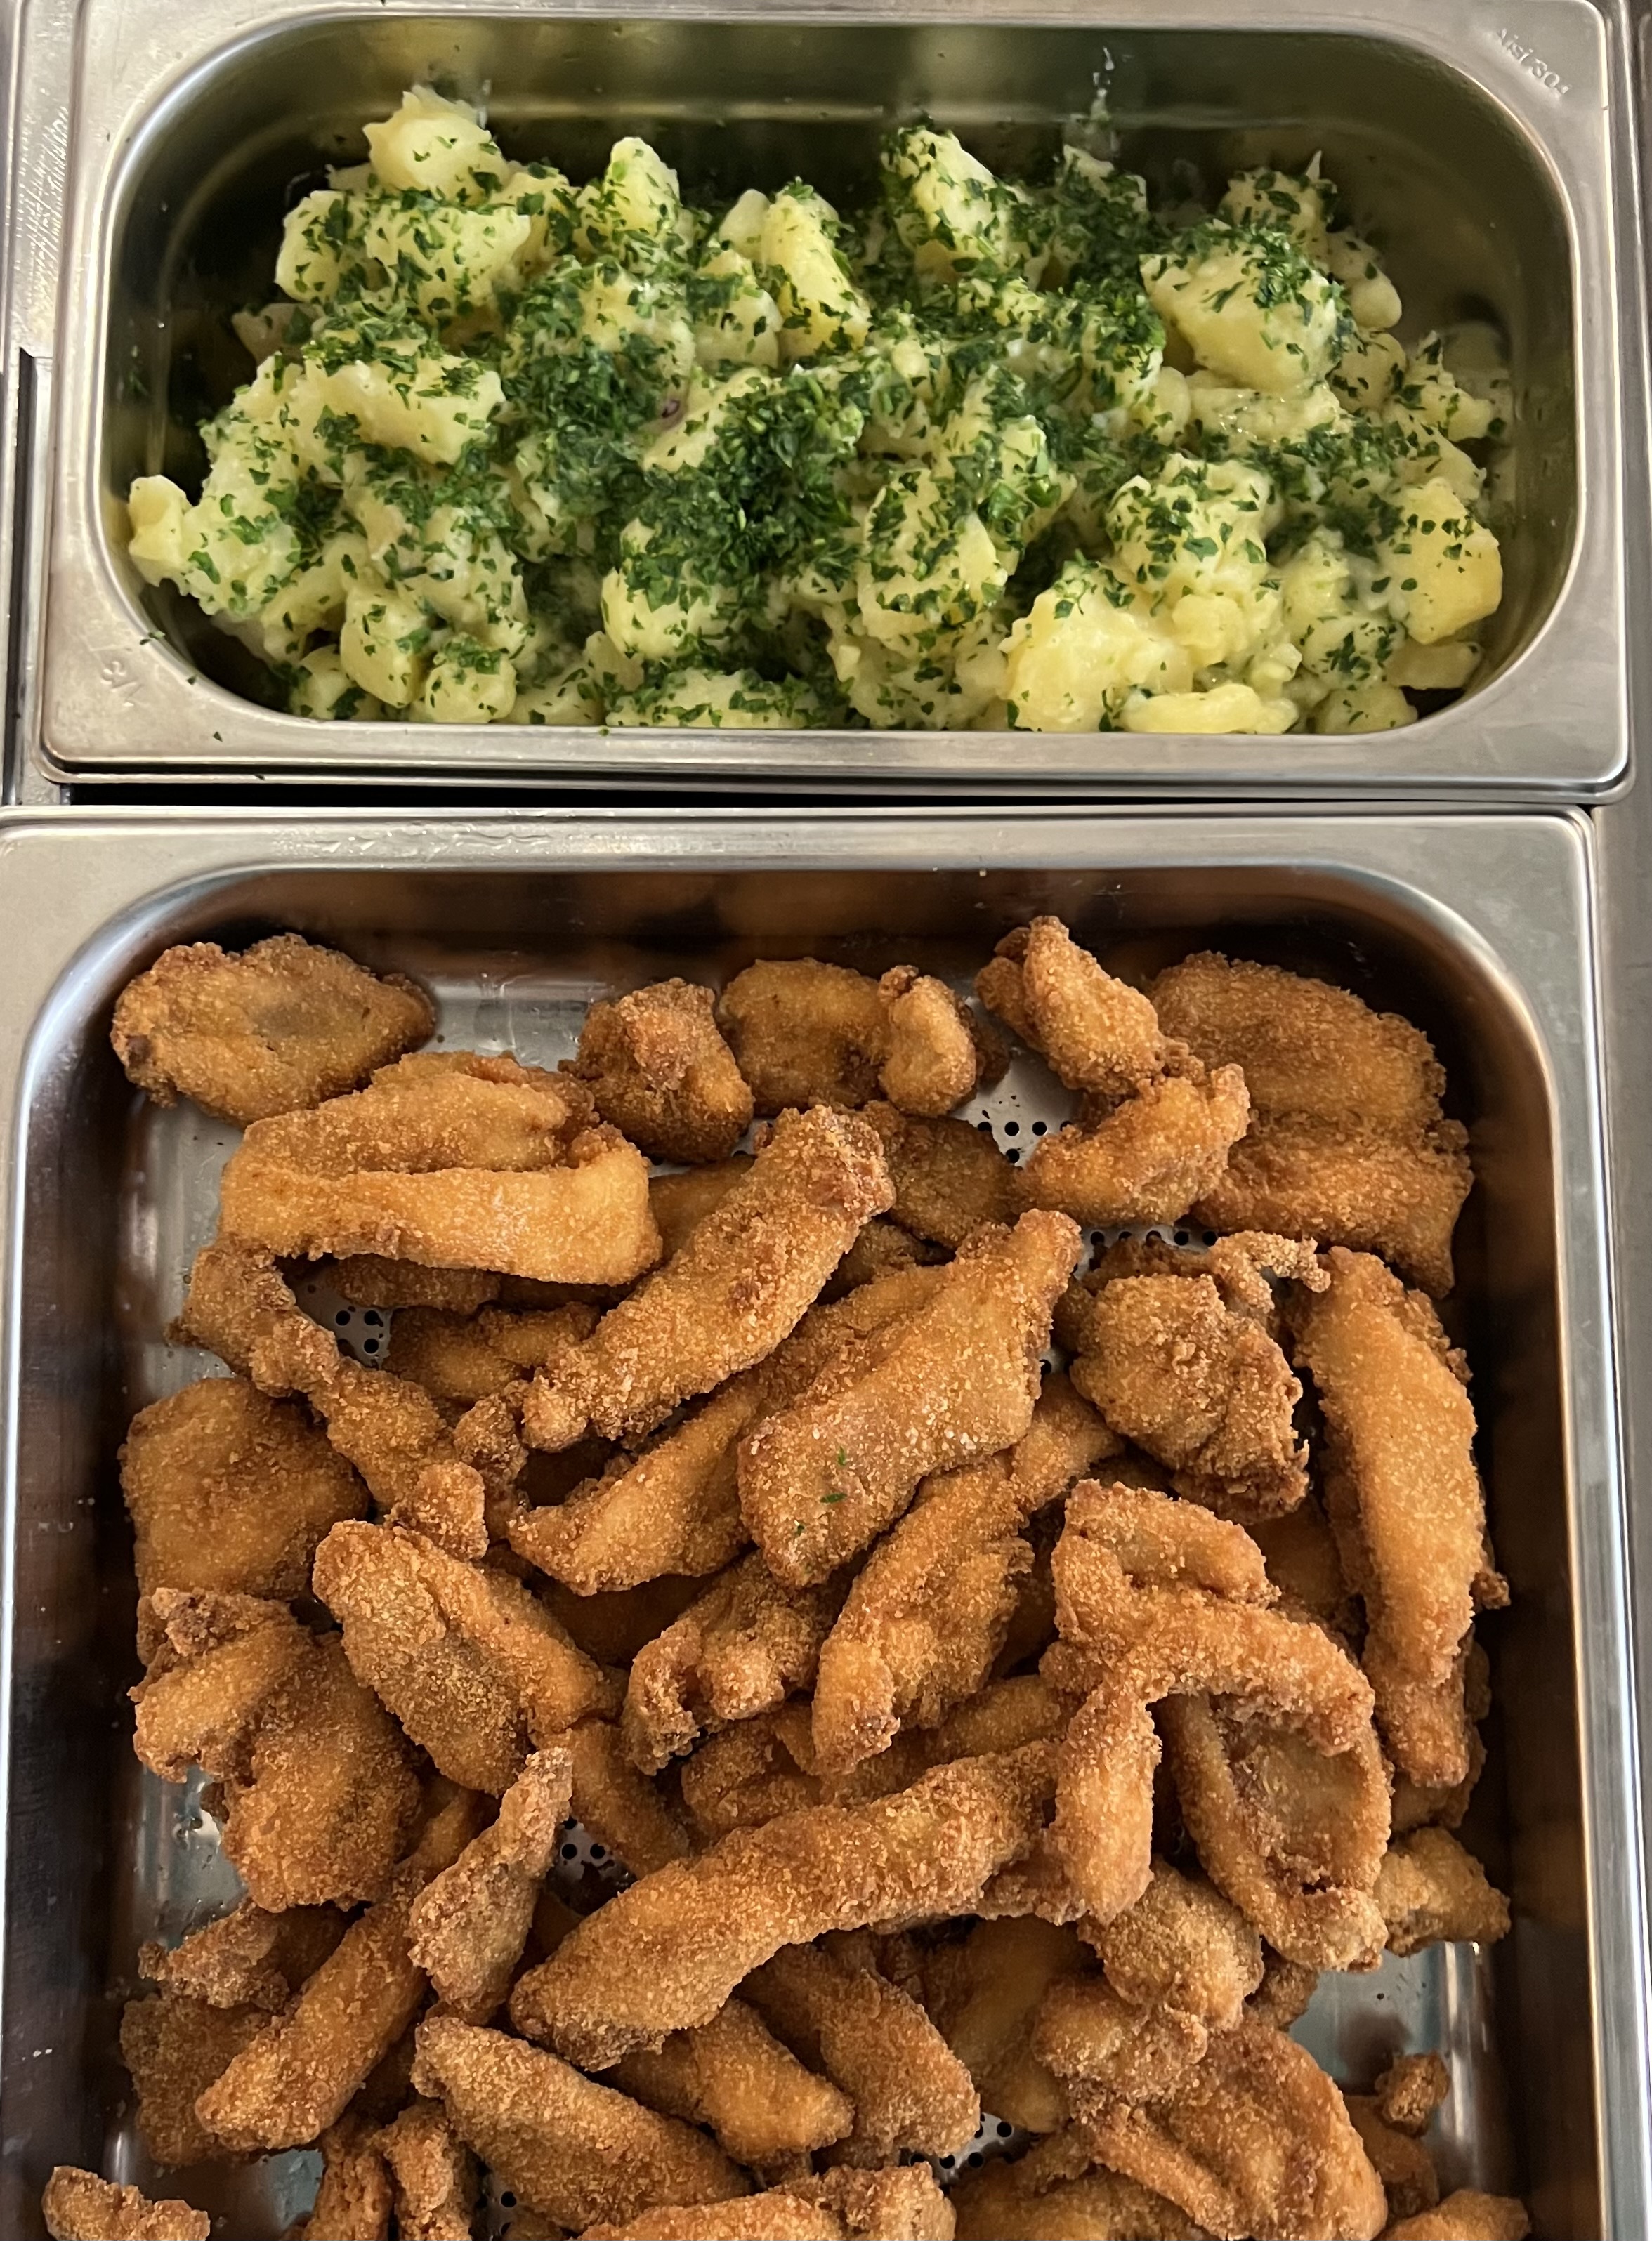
(1403, 2164)
(1181, 1945)
(730, 1294)
(175, 2048)
(230, 1491)
(948, 1177)
(744, 1646)
(1433, 1892)
(77, 2206)
(620, 1807)
(835, 2008)
(1098, 2045)
(735, 2077)
(240, 1306)
(432, 2175)
(450, 1157)
(955, 1379)
(660, 1070)
(1099, 1035)
(1347, 1143)
(900, 2204)
(1148, 1159)
(569, 2147)
(459, 1360)
(681, 1201)
(1466, 2215)
(1404, 1500)
(1062, 2198)
(354, 2198)
(295, 2078)
(809, 1034)
(247, 1957)
(926, 1615)
(881, 1250)
(280, 1026)
(665, 1954)
(983, 1991)
(476, 1670)
(467, 1928)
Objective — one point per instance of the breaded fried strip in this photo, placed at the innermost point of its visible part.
(451, 1158)
(432, 2173)
(681, 1201)
(1147, 1159)
(1181, 1945)
(77, 2206)
(240, 1306)
(735, 2077)
(468, 1926)
(218, 1660)
(476, 1670)
(231, 1491)
(620, 1807)
(282, 1026)
(353, 2200)
(880, 1250)
(1432, 1892)
(1033, 2199)
(955, 1379)
(744, 1646)
(1096, 2043)
(837, 2013)
(175, 2047)
(948, 1177)
(461, 1359)
(1402, 2164)
(665, 1954)
(902, 2204)
(928, 1611)
(732, 1291)
(661, 1072)
(1099, 1035)
(569, 2147)
(296, 2077)
(1404, 1500)
(246, 1958)
(1466, 2216)
(983, 1992)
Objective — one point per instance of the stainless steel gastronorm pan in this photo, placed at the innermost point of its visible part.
(1490, 153)
(1480, 928)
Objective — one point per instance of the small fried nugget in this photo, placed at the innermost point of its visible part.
(660, 1070)
(1402, 2164)
(455, 1159)
(230, 1491)
(744, 1646)
(1099, 1035)
(665, 1954)
(900, 2204)
(983, 1991)
(247, 1957)
(469, 1924)
(835, 2008)
(353, 2199)
(477, 1671)
(731, 1293)
(1149, 1159)
(296, 2076)
(804, 1033)
(1410, 2090)
(1433, 1892)
(459, 1360)
(432, 2173)
(569, 2147)
(77, 2206)
(1099, 2044)
(954, 1379)
(1032, 2199)
(1466, 2216)
(935, 1056)
(621, 1808)
(1182, 1946)
(926, 1615)
(1282, 1997)
(749, 2091)
(280, 1026)
(175, 2048)
(681, 1201)
(948, 1177)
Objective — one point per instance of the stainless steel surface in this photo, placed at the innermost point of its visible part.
(1491, 154)
(1480, 928)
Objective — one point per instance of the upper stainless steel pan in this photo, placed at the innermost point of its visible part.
(1489, 151)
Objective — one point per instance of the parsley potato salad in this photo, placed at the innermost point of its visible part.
(986, 454)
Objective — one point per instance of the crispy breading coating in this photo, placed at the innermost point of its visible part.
(735, 2077)
(1206, 1391)
(230, 1491)
(353, 2199)
(1410, 2090)
(459, 1360)
(900, 2204)
(983, 1991)
(809, 1034)
(747, 1644)
(1466, 2216)
(1098, 1035)
(77, 2206)
(319, 1787)
(681, 1201)
(934, 1060)
(881, 1250)
(1147, 1159)
(457, 1160)
(474, 1668)
(296, 2077)
(1348, 1142)
(368, 1280)
(432, 2174)
(1402, 2164)
(175, 2048)
(241, 1306)
(664, 1955)
(247, 1957)
(1156, 1598)
(1294, 1837)
(1096, 2043)
(660, 1070)
(1404, 1500)
(1282, 1996)
(732, 1291)
(572, 2149)
(1300, 1551)
(1182, 1946)
(948, 1177)
(955, 1379)
(1253, 2138)
(467, 1928)
(620, 1807)
(1433, 1892)
(280, 1026)
(1028, 2200)
(835, 2008)
(927, 1613)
